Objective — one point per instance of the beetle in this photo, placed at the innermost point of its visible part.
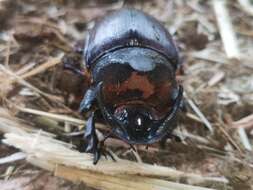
(132, 61)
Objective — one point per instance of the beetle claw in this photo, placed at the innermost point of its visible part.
(102, 151)
(106, 152)
(132, 147)
(97, 155)
(112, 157)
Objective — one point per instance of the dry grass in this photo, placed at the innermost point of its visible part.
(42, 150)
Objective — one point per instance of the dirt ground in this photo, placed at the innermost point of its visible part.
(215, 131)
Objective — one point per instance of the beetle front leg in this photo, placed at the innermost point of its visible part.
(93, 145)
(89, 100)
(90, 135)
(73, 61)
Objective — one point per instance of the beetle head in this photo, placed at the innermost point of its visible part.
(137, 124)
(137, 121)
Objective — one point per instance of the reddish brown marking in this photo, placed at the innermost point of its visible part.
(138, 82)
(134, 82)
(156, 96)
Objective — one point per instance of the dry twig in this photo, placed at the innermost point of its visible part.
(246, 122)
(226, 29)
(246, 6)
(44, 151)
(200, 114)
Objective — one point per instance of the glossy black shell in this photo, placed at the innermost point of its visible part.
(128, 28)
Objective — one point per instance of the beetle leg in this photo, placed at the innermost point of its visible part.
(132, 147)
(183, 106)
(94, 146)
(88, 100)
(72, 65)
(90, 134)
(104, 151)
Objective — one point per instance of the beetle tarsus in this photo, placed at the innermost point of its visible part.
(93, 144)
(92, 139)
(111, 155)
(102, 151)
(97, 156)
(132, 147)
(106, 152)
(90, 134)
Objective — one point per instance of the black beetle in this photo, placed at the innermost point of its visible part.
(132, 61)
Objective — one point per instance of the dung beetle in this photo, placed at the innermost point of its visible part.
(132, 61)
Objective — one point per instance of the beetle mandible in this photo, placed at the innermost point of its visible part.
(132, 61)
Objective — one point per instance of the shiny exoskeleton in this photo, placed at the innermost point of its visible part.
(132, 61)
